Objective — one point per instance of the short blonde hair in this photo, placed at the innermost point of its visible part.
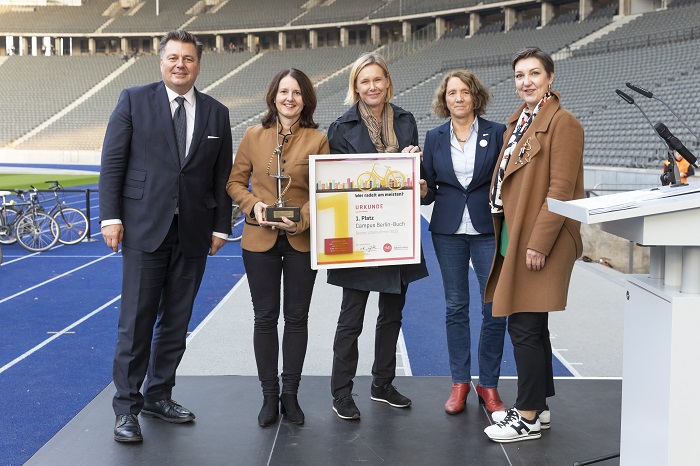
(367, 58)
(480, 94)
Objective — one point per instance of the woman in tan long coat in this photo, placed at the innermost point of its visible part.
(536, 249)
(274, 249)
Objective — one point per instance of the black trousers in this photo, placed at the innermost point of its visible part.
(350, 320)
(265, 271)
(532, 350)
(158, 288)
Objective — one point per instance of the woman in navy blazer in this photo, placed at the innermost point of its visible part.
(459, 157)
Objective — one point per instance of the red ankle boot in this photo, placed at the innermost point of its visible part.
(458, 398)
(489, 398)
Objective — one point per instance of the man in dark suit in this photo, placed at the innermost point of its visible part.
(165, 163)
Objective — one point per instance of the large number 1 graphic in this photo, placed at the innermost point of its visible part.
(339, 204)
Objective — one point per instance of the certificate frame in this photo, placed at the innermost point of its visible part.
(364, 210)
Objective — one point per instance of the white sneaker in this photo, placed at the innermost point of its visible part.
(514, 428)
(545, 418)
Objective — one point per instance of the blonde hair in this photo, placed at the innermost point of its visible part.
(480, 94)
(367, 58)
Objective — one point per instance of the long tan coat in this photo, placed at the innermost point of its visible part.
(252, 159)
(552, 166)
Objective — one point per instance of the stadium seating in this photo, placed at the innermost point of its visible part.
(659, 50)
(56, 19)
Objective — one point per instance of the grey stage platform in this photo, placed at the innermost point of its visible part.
(585, 424)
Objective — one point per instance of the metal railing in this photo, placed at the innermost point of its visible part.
(88, 209)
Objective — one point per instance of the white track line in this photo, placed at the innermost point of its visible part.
(55, 278)
(58, 334)
(216, 309)
(404, 354)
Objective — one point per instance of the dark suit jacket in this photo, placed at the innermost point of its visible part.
(141, 181)
(448, 193)
(349, 135)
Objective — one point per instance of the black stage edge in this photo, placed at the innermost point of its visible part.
(585, 424)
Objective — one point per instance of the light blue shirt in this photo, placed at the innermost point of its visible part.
(463, 165)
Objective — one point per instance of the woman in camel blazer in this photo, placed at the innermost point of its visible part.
(536, 249)
(273, 249)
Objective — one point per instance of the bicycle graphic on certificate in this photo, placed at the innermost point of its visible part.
(364, 210)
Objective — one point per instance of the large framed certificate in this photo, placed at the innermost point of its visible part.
(365, 210)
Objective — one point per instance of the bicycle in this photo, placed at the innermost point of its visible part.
(8, 217)
(392, 179)
(34, 229)
(237, 223)
(72, 222)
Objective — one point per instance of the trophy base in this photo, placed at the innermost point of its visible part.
(275, 214)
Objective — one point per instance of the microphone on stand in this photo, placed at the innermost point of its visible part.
(650, 95)
(673, 177)
(675, 144)
(631, 101)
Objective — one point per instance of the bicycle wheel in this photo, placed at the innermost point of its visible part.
(364, 181)
(395, 180)
(237, 223)
(73, 225)
(37, 231)
(7, 219)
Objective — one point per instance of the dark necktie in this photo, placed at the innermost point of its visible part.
(180, 124)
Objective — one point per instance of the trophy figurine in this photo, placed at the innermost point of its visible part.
(279, 210)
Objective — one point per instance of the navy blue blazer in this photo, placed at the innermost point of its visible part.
(349, 135)
(142, 182)
(447, 192)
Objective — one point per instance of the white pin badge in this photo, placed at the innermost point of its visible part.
(483, 143)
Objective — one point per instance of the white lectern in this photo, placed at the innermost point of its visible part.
(661, 359)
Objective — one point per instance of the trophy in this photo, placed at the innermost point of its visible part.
(279, 210)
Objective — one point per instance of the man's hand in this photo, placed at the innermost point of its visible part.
(216, 244)
(113, 235)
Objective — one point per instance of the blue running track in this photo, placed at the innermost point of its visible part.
(59, 310)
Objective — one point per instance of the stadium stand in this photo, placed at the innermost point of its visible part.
(56, 19)
(336, 11)
(31, 95)
(247, 14)
(142, 17)
(84, 127)
(397, 8)
(646, 28)
(616, 135)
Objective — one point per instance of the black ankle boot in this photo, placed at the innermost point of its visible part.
(290, 407)
(269, 411)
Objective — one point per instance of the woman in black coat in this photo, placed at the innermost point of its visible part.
(372, 125)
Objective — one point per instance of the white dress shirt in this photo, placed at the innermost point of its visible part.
(463, 165)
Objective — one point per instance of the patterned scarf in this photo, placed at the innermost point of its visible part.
(523, 124)
(379, 133)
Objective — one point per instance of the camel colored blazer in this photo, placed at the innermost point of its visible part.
(251, 163)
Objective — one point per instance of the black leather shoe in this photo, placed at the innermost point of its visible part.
(269, 411)
(168, 410)
(127, 428)
(290, 407)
